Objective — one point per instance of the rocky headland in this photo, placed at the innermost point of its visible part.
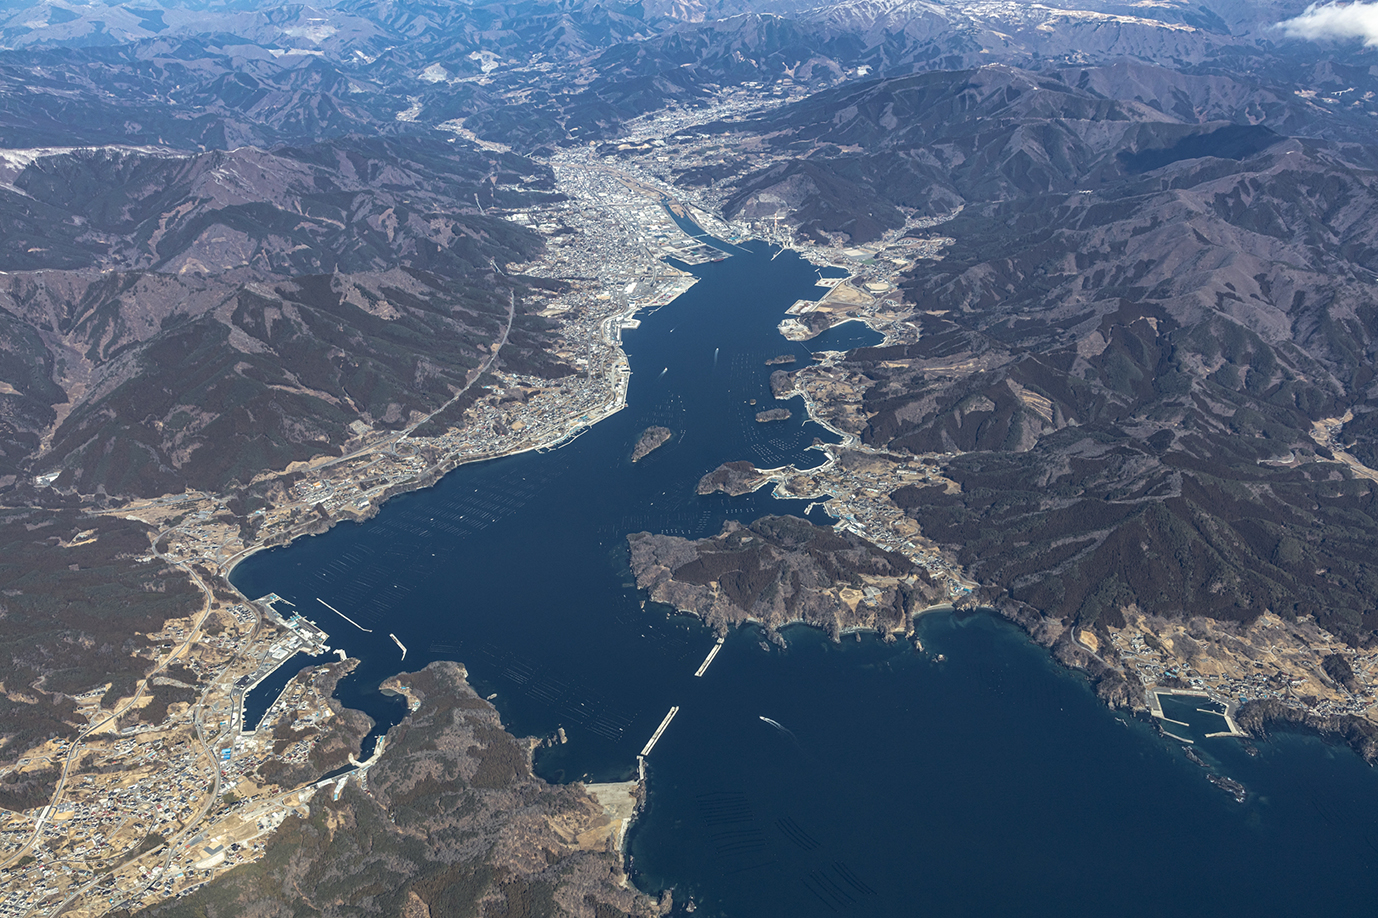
(781, 570)
(1260, 718)
(453, 822)
(732, 478)
(782, 384)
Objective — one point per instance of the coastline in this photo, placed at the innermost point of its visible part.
(323, 526)
(1114, 682)
(1065, 647)
(576, 422)
(192, 531)
(611, 327)
(427, 479)
(614, 371)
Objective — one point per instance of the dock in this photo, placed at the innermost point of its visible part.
(343, 616)
(655, 737)
(1155, 708)
(703, 667)
(399, 644)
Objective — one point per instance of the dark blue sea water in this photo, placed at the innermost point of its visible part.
(257, 701)
(862, 778)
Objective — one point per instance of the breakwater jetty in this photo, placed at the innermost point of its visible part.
(655, 737)
(703, 667)
(343, 616)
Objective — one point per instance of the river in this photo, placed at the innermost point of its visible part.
(862, 778)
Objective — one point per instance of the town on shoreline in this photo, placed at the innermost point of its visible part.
(194, 800)
(192, 797)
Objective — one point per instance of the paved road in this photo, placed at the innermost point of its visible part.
(75, 747)
(475, 376)
(202, 744)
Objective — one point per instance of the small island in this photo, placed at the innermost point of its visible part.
(774, 414)
(783, 358)
(652, 438)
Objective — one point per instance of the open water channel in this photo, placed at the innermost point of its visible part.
(856, 778)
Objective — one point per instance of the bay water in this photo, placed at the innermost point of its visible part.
(859, 778)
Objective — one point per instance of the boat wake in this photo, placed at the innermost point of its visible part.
(782, 728)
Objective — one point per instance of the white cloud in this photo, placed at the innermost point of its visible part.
(1335, 20)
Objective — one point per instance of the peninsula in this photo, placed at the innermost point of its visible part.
(780, 570)
(732, 478)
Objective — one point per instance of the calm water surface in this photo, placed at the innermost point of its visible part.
(883, 781)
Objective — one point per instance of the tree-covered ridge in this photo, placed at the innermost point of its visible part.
(453, 823)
